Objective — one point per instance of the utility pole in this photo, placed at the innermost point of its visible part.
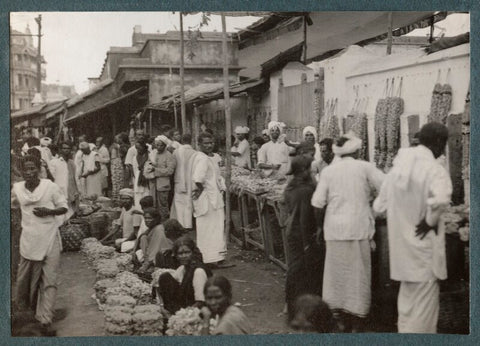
(39, 54)
(182, 81)
(389, 33)
(228, 125)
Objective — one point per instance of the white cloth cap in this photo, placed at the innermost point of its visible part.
(163, 139)
(242, 130)
(126, 192)
(275, 125)
(310, 129)
(352, 145)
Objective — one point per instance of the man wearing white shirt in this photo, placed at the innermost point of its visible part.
(241, 148)
(62, 169)
(274, 155)
(343, 199)
(414, 195)
(132, 152)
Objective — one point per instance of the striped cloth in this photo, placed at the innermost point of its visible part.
(347, 276)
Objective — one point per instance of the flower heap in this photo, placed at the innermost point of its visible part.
(187, 321)
(456, 220)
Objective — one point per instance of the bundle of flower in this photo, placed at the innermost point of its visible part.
(142, 292)
(359, 125)
(94, 250)
(130, 285)
(395, 109)
(187, 321)
(106, 268)
(156, 275)
(147, 320)
(464, 233)
(101, 287)
(380, 132)
(445, 103)
(87, 244)
(120, 300)
(434, 114)
(124, 261)
(118, 320)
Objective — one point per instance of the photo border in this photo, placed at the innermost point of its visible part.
(216, 5)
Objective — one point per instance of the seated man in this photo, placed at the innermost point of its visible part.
(122, 228)
(129, 245)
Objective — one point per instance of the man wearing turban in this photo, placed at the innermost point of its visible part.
(346, 221)
(241, 148)
(274, 155)
(90, 171)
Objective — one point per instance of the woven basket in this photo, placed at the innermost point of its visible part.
(72, 234)
(98, 225)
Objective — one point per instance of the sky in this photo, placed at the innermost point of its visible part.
(74, 44)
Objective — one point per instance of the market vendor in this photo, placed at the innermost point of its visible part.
(185, 287)
(153, 241)
(312, 315)
(343, 199)
(274, 155)
(218, 298)
(40, 201)
(310, 135)
(414, 195)
(266, 135)
(241, 148)
(123, 228)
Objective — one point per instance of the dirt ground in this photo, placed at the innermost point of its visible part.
(258, 287)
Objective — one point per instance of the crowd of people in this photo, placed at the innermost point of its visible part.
(167, 189)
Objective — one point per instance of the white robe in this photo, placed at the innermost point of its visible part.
(208, 209)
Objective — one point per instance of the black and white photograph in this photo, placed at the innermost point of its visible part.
(239, 173)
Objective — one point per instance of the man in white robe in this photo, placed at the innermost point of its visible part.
(274, 155)
(182, 198)
(414, 195)
(208, 205)
(241, 148)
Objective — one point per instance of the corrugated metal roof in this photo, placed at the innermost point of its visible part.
(106, 104)
(204, 93)
(80, 98)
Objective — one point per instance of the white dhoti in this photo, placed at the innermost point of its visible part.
(210, 235)
(182, 209)
(418, 307)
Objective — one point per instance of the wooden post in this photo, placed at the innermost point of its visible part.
(196, 126)
(305, 39)
(150, 120)
(182, 81)
(228, 125)
(389, 33)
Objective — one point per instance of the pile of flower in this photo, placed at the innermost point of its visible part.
(118, 315)
(106, 268)
(187, 321)
(456, 219)
(124, 261)
(94, 250)
(129, 284)
(147, 320)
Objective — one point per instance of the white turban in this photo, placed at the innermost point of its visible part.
(352, 145)
(163, 139)
(275, 125)
(310, 129)
(265, 132)
(45, 141)
(83, 145)
(126, 192)
(242, 130)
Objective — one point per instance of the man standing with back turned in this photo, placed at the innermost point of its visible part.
(414, 195)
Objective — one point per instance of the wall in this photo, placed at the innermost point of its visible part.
(419, 71)
(206, 53)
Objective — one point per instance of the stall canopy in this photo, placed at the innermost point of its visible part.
(329, 31)
(36, 112)
(203, 93)
(115, 101)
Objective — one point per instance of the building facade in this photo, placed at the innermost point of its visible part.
(23, 72)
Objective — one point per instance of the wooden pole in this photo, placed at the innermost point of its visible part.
(228, 126)
(305, 40)
(196, 126)
(389, 33)
(182, 81)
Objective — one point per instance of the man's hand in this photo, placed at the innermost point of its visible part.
(423, 228)
(42, 212)
(196, 193)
